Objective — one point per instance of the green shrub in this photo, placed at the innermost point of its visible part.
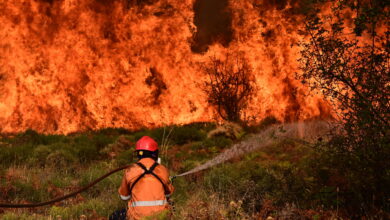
(16, 154)
(85, 148)
(263, 124)
(60, 159)
(176, 135)
(51, 139)
(186, 134)
(92, 173)
(89, 208)
(291, 183)
(39, 155)
(26, 189)
(163, 215)
(125, 157)
(100, 140)
(189, 164)
(197, 145)
(183, 190)
(18, 216)
(113, 131)
(246, 181)
(251, 182)
(29, 136)
(217, 141)
(34, 138)
(61, 180)
(35, 150)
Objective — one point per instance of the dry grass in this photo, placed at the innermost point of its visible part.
(259, 179)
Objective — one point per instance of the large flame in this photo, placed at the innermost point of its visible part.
(68, 65)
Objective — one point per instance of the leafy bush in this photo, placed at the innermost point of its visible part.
(353, 75)
(125, 157)
(228, 129)
(100, 141)
(96, 171)
(14, 216)
(61, 180)
(189, 164)
(113, 131)
(246, 181)
(85, 148)
(186, 134)
(175, 135)
(39, 155)
(164, 215)
(26, 187)
(92, 208)
(61, 158)
(217, 141)
(15, 154)
(266, 122)
(34, 138)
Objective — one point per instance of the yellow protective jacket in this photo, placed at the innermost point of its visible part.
(148, 196)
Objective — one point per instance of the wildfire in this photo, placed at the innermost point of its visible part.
(68, 65)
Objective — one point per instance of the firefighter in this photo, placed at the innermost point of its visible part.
(145, 184)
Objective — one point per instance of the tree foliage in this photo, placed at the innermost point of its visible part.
(350, 66)
(230, 85)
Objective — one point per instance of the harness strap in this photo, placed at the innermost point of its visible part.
(148, 171)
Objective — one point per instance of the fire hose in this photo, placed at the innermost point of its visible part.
(32, 205)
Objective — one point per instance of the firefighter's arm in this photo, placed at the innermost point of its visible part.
(170, 185)
(124, 190)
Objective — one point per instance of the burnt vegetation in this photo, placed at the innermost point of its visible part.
(155, 82)
(353, 73)
(230, 85)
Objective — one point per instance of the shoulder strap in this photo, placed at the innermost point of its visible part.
(148, 171)
(166, 191)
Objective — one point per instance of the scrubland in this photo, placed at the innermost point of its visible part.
(285, 180)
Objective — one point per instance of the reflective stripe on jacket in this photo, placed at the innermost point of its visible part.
(148, 195)
(149, 203)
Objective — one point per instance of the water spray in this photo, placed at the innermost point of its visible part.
(305, 132)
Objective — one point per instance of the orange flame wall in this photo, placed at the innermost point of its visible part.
(71, 65)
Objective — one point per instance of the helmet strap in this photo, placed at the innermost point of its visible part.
(145, 153)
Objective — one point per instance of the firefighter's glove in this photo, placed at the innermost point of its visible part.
(171, 178)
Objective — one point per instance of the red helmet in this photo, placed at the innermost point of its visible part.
(146, 143)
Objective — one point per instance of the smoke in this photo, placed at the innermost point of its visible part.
(156, 82)
(293, 106)
(213, 21)
(300, 131)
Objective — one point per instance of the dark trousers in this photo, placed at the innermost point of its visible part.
(118, 215)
